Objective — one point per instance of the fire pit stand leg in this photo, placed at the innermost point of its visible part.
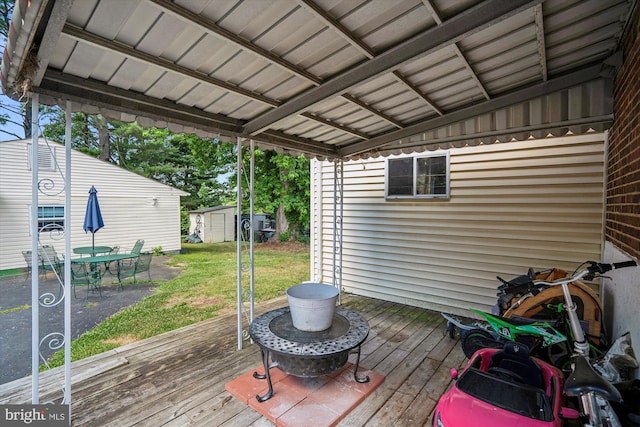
(355, 371)
(267, 376)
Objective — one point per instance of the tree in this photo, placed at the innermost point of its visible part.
(9, 111)
(183, 161)
(282, 187)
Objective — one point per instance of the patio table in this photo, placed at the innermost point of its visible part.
(108, 260)
(91, 250)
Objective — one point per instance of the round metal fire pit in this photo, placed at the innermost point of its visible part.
(307, 354)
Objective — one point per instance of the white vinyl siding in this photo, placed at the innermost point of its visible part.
(536, 203)
(126, 202)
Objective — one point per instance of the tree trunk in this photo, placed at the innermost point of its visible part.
(26, 121)
(103, 139)
(282, 223)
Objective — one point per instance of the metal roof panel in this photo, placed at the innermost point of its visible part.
(313, 75)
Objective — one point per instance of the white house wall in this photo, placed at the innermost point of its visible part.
(536, 203)
(126, 202)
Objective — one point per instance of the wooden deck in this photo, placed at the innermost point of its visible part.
(179, 378)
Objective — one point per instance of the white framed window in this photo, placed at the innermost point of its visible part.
(46, 157)
(424, 176)
(50, 218)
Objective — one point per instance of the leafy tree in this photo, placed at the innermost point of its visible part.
(7, 110)
(282, 187)
(182, 161)
(6, 6)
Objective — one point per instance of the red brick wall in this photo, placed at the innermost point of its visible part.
(623, 187)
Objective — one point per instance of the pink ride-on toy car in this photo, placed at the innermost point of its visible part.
(504, 387)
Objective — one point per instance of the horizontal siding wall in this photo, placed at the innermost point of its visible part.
(125, 202)
(536, 203)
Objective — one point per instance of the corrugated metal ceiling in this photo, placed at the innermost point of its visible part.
(331, 78)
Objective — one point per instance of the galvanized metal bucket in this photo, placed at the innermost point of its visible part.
(312, 306)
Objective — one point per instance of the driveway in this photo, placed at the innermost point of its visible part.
(15, 326)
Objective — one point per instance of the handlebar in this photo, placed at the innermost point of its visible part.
(599, 268)
(588, 273)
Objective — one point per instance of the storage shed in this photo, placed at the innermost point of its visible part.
(214, 224)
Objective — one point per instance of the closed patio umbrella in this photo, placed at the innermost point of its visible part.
(92, 217)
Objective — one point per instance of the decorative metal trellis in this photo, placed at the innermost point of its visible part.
(337, 226)
(245, 244)
(42, 232)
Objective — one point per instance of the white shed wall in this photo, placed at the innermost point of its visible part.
(536, 203)
(126, 202)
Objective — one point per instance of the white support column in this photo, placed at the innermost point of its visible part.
(35, 273)
(252, 220)
(239, 240)
(337, 228)
(67, 260)
(316, 200)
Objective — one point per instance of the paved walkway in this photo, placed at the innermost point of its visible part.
(15, 327)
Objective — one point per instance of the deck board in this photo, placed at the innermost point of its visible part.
(178, 378)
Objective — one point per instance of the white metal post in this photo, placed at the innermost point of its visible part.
(35, 273)
(239, 241)
(67, 260)
(252, 219)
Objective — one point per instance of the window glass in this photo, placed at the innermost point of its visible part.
(50, 218)
(400, 175)
(432, 175)
(418, 177)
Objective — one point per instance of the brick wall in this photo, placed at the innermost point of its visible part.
(623, 188)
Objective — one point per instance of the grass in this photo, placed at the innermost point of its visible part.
(11, 272)
(206, 288)
(13, 310)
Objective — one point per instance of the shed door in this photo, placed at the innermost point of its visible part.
(216, 227)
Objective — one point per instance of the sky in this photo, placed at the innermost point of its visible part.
(10, 127)
(5, 100)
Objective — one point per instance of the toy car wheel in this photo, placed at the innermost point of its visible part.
(451, 330)
(476, 339)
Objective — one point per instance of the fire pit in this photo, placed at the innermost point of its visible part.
(307, 353)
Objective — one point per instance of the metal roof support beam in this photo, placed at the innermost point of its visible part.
(227, 35)
(542, 48)
(464, 24)
(436, 17)
(535, 91)
(55, 23)
(129, 52)
(58, 86)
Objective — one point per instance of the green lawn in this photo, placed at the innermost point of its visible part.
(206, 288)
(11, 272)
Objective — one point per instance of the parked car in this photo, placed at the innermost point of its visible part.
(504, 387)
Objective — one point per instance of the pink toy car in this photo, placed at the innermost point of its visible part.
(504, 388)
